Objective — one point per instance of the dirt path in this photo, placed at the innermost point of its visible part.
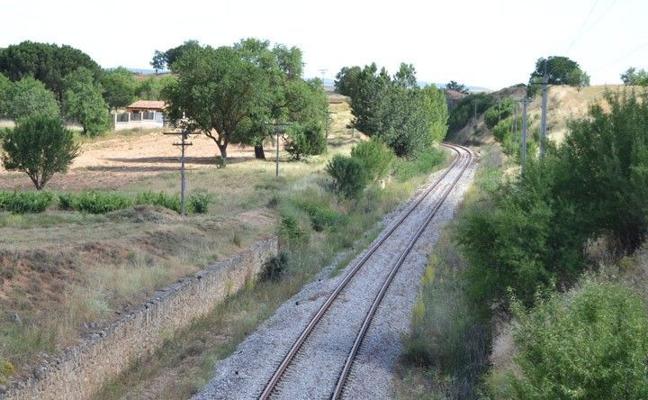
(244, 374)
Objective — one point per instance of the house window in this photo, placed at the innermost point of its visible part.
(148, 115)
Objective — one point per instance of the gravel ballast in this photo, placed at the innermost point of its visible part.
(314, 371)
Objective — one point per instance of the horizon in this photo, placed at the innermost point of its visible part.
(604, 36)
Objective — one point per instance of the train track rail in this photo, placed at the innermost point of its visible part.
(463, 158)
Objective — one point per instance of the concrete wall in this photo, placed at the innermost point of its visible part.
(81, 370)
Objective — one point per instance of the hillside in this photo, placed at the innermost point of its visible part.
(565, 103)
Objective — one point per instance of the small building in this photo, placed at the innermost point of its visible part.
(142, 114)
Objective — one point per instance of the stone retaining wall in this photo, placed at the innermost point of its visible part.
(81, 370)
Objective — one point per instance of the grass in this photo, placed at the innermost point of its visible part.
(447, 349)
(185, 362)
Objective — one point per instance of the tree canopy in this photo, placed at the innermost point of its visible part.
(407, 118)
(634, 77)
(119, 86)
(27, 97)
(49, 63)
(459, 87)
(40, 146)
(235, 93)
(560, 70)
(83, 102)
(163, 60)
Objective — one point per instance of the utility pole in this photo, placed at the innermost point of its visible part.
(543, 117)
(523, 150)
(277, 156)
(184, 134)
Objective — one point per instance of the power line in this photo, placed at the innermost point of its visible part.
(579, 32)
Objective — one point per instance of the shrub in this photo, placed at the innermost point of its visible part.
(349, 175)
(25, 202)
(321, 215)
(94, 202)
(274, 267)
(40, 146)
(291, 230)
(199, 202)
(498, 112)
(305, 140)
(588, 344)
(465, 109)
(159, 199)
(375, 157)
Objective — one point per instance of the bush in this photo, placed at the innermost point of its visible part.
(375, 157)
(94, 202)
(305, 140)
(40, 146)
(291, 230)
(274, 268)
(25, 202)
(159, 199)
(349, 175)
(498, 112)
(588, 344)
(320, 214)
(199, 202)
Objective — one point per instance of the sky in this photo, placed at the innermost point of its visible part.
(488, 43)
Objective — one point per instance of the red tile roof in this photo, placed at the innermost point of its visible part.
(148, 104)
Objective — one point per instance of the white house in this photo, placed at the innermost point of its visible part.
(142, 114)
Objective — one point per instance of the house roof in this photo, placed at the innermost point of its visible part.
(149, 104)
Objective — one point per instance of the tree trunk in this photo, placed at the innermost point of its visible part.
(258, 152)
(223, 154)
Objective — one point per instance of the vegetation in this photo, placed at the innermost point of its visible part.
(84, 103)
(634, 77)
(28, 97)
(25, 202)
(459, 87)
(498, 112)
(560, 71)
(47, 63)
(349, 176)
(590, 343)
(119, 86)
(466, 109)
(40, 146)
(393, 108)
(375, 157)
(242, 90)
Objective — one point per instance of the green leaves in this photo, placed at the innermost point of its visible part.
(28, 97)
(39, 146)
(84, 102)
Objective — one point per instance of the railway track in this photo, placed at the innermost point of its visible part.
(440, 188)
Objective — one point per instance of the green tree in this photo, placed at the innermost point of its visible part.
(216, 89)
(164, 60)
(40, 146)
(84, 103)
(151, 88)
(119, 87)
(5, 87)
(560, 70)
(48, 63)
(589, 344)
(436, 105)
(634, 77)
(497, 112)
(454, 85)
(346, 81)
(28, 97)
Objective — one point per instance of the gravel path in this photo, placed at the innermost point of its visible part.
(314, 372)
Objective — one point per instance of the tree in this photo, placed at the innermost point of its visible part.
(437, 108)
(456, 86)
(346, 81)
(84, 103)
(28, 97)
(5, 86)
(560, 70)
(164, 60)
(216, 89)
(48, 63)
(151, 88)
(119, 87)
(306, 106)
(40, 146)
(634, 77)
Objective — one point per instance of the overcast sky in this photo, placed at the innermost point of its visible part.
(486, 43)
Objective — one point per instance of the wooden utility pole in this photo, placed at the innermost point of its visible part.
(543, 116)
(523, 149)
(184, 134)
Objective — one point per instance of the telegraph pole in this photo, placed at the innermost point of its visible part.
(543, 117)
(523, 150)
(184, 134)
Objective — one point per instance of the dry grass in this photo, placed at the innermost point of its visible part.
(62, 274)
